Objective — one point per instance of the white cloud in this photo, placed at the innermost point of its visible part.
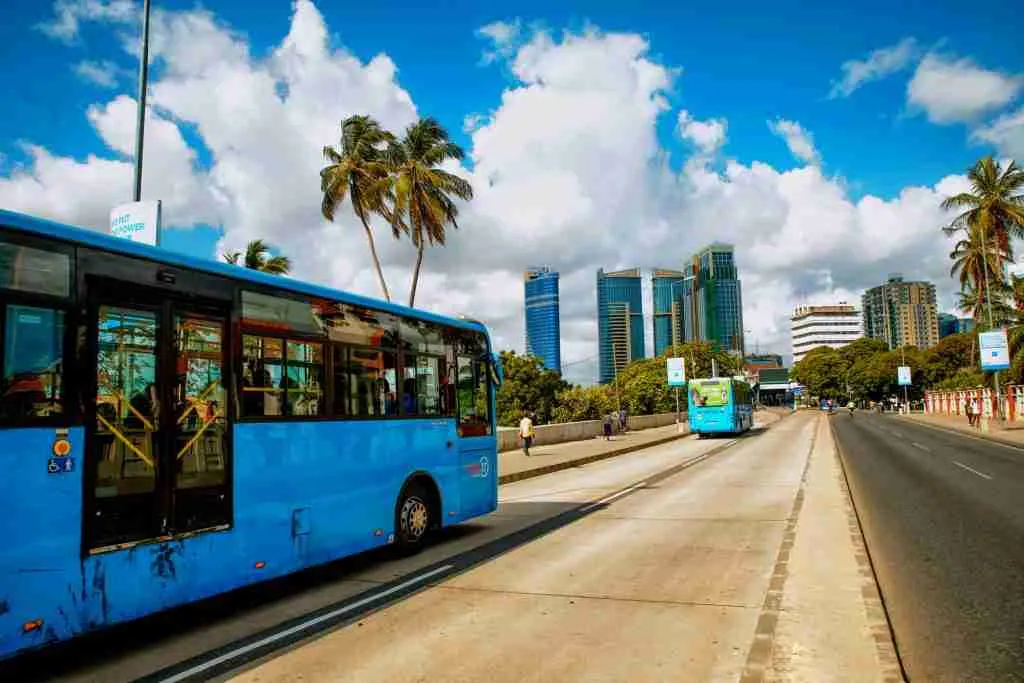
(708, 136)
(70, 14)
(504, 36)
(878, 64)
(959, 90)
(798, 139)
(1006, 133)
(567, 170)
(102, 73)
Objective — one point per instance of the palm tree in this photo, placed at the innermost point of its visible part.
(360, 170)
(423, 192)
(994, 206)
(969, 257)
(257, 257)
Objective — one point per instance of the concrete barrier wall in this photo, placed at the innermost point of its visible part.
(508, 437)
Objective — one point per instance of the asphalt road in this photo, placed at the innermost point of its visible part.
(943, 516)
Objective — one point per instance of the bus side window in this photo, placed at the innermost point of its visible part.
(31, 386)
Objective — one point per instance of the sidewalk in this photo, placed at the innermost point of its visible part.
(513, 465)
(1010, 435)
(823, 617)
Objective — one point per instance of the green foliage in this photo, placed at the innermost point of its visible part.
(965, 378)
(258, 257)
(824, 372)
(576, 404)
(528, 387)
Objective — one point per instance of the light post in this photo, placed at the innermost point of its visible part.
(140, 123)
(988, 305)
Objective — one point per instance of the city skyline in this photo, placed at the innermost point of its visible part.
(238, 147)
(541, 316)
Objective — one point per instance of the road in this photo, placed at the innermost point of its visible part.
(528, 509)
(666, 581)
(676, 562)
(943, 516)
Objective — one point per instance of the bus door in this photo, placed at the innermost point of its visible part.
(477, 442)
(158, 444)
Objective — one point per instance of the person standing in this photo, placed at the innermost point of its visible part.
(623, 422)
(969, 411)
(526, 433)
(976, 412)
(608, 427)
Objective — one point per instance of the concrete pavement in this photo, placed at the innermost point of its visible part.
(714, 572)
(514, 465)
(1011, 434)
(942, 516)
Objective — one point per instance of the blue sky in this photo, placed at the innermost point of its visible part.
(824, 189)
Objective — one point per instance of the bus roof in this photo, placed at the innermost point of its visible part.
(93, 238)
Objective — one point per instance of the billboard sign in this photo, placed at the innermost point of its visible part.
(903, 375)
(137, 222)
(676, 371)
(995, 352)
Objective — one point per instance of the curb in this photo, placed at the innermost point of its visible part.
(961, 432)
(555, 467)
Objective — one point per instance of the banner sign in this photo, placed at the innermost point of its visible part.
(676, 371)
(137, 222)
(995, 352)
(903, 375)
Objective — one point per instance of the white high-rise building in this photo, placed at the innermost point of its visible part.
(814, 326)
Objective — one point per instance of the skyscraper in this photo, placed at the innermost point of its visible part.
(950, 324)
(713, 299)
(620, 321)
(667, 293)
(902, 313)
(543, 329)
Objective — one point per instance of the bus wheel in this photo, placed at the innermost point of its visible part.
(412, 520)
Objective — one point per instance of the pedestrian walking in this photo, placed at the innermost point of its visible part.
(623, 422)
(969, 410)
(976, 412)
(526, 433)
(608, 427)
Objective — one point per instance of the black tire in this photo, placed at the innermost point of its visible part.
(413, 519)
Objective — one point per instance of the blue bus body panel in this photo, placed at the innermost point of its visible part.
(712, 420)
(304, 493)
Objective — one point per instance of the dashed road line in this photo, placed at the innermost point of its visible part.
(971, 469)
(921, 446)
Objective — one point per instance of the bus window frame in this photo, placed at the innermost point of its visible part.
(69, 415)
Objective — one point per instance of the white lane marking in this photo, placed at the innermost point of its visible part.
(228, 656)
(921, 446)
(896, 434)
(608, 499)
(971, 469)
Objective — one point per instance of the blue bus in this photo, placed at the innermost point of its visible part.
(174, 428)
(720, 405)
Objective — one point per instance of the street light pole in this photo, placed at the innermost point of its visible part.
(140, 123)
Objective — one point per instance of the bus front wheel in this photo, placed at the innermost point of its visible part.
(412, 519)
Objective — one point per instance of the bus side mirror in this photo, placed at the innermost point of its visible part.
(497, 371)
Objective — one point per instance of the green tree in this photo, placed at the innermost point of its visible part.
(824, 372)
(258, 257)
(528, 387)
(359, 169)
(576, 404)
(970, 258)
(423, 192)
(951, 355)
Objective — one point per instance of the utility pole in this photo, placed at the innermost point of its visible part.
(140, 123)
(903, 352)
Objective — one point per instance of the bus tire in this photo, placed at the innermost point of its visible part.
(412, 519)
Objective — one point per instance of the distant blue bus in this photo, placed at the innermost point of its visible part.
(720, 405)
(174, 428)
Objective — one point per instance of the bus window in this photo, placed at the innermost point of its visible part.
(261, 376)
(303, 379)
(472, 397)
(26, 269)
(365, 382)
(32, 363)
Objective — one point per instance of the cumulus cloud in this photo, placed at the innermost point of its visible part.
(69, 15)
(707, 136)
(952, 90)
(567, 170)
(102, 73)
(503, 36)
(876, 66)
(798, 139)
(1006, 133)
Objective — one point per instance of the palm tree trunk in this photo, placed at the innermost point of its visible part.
(376, 261)
(416, 273)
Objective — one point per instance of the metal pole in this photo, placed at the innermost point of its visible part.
(988, 304)
(677, 409)
(140, 124)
